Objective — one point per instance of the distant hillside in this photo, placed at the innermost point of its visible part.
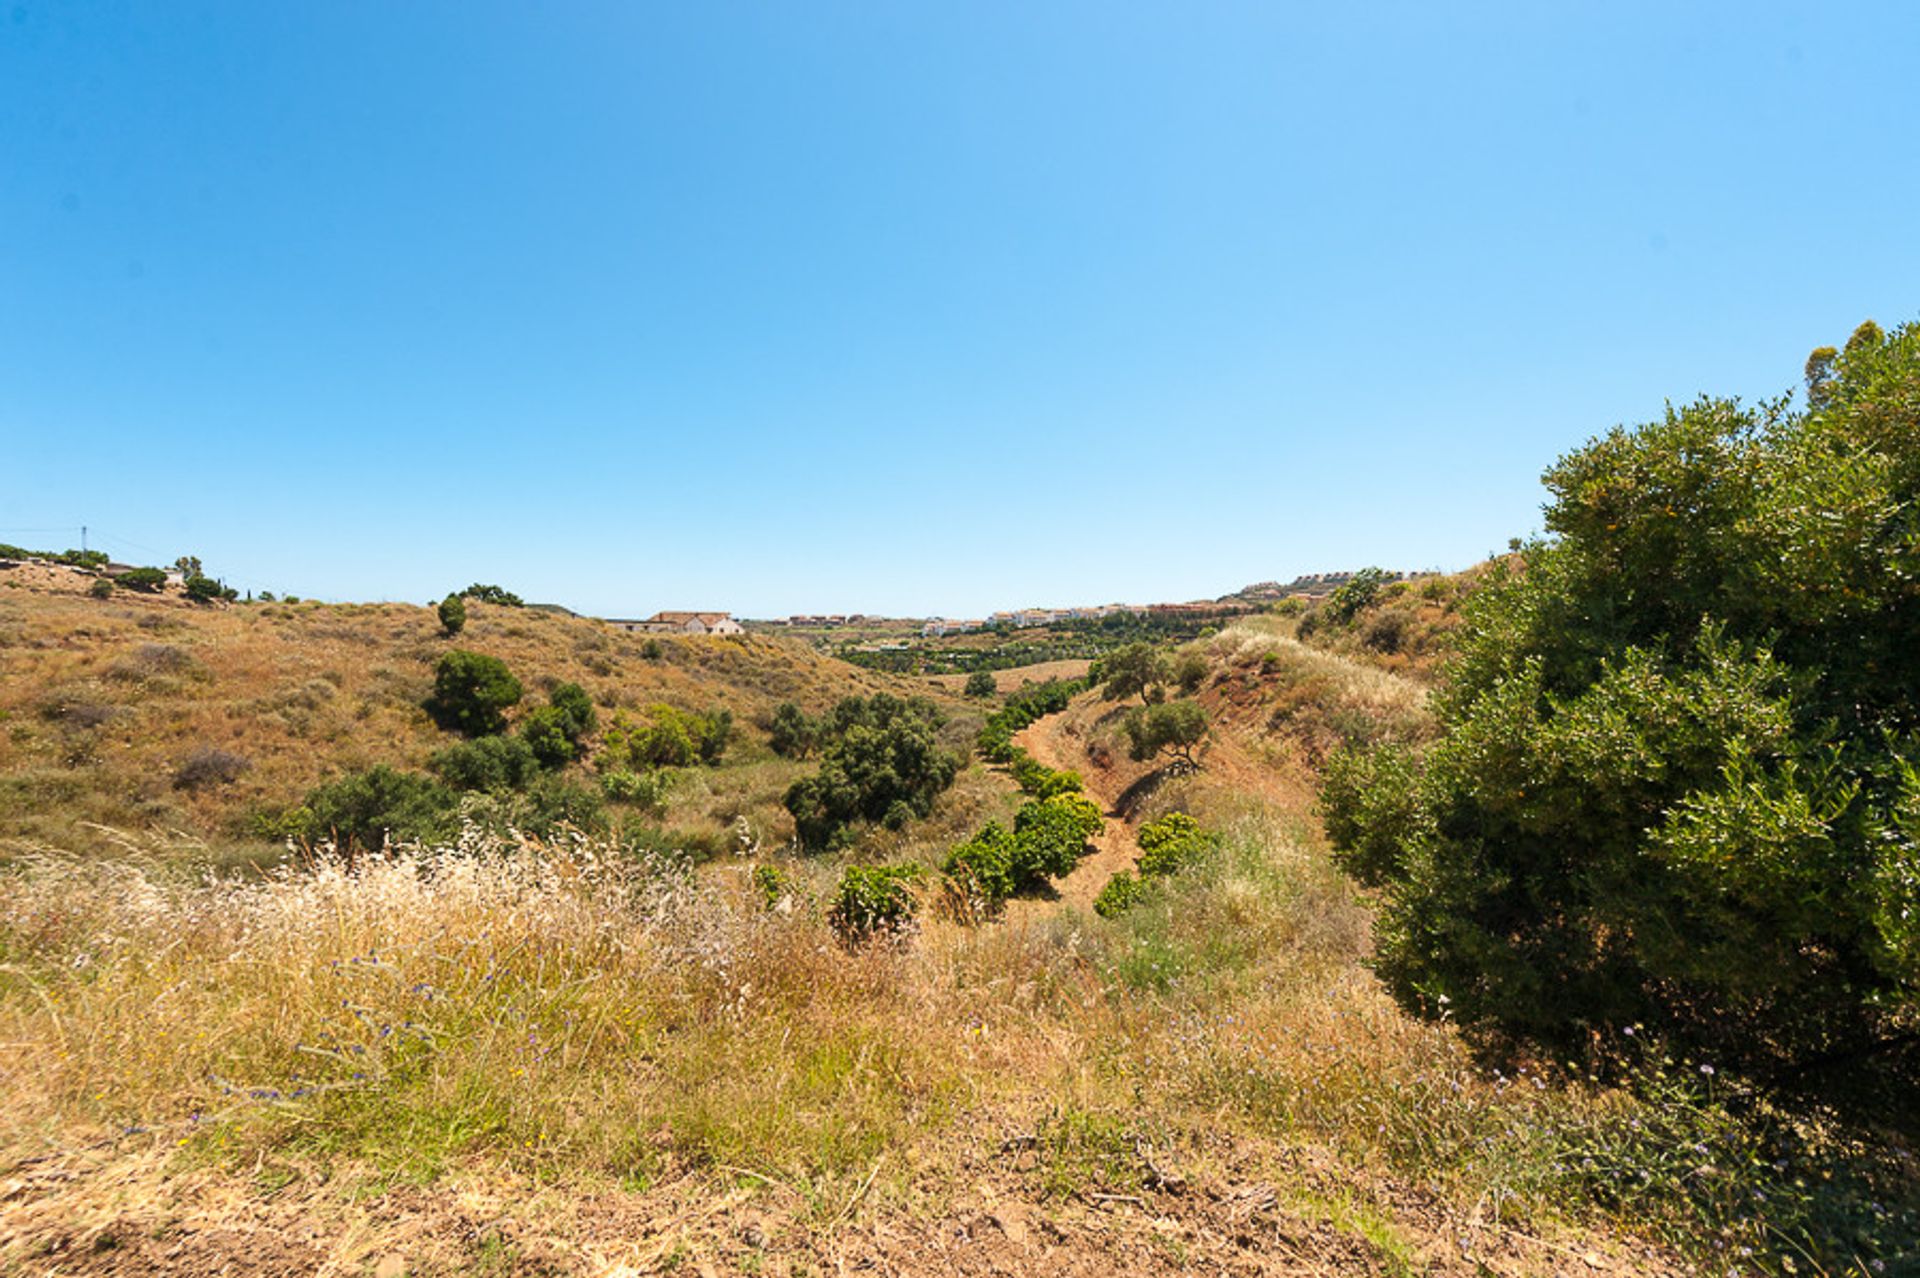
(105, 701)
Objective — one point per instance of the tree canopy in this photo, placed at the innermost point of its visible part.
(1679, 777)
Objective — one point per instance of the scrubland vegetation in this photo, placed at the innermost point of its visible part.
(1603, 959)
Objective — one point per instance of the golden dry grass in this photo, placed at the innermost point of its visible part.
(103, 701)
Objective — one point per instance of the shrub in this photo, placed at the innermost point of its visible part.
(208, 765)
(1189, 672)
(1040, 781)
(148, 579)
(453, 615)
(1171, 843)
(775, 885)
(1173, 727)
(653, 650)
(366, 809)
(1678, 782)
(881, 751)
(101, 589)
(995, 741)
(983, 865)
(671, 738)
(555, 731)
(1048, 841)
(486, 763)
(792, 734)
(470, 691)
(1119, 895)
(493, 595)
(1138, 669)
(981, 683)
(202, 589)
(875, 900)
(1355, 594)
(645, 790)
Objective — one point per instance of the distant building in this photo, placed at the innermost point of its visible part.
(681, 623)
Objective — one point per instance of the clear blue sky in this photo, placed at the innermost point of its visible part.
(893, 307)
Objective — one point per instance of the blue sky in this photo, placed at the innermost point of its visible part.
(908, 308)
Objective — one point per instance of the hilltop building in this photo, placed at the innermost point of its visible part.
(681, 623)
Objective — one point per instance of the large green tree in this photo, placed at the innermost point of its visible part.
(1677, 780)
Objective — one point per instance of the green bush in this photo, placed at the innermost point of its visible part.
(1176, 728)
(368, 809)
(775, 884)
(983, 865)
(1355, 594)
(1139, 669)
(1039, 780)
(142, 579)
(1049, 839)
(493, 595)
(875, 900)
(1022, 708)
(470, 692)
(556, 731)
(1189, 672)
(882, 760)
(671, 738)
(1171, 843)
(791, 735)
(647, 791)
(1120, 894)
(206, 590)
(981, 683)
(1679, 778)
(101, 589)
(453, 614)
(486, 763)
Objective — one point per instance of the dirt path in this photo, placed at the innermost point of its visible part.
(1056, 742)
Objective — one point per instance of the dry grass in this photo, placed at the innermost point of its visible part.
(103, 703)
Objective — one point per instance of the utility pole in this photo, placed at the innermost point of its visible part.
(83, 539)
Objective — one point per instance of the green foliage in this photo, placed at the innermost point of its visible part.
(1355, 594)
(470, 692)
(791, 734)
(653, 650)
(493, 595)
(101, 589)
(148, 579)
(670, 738)
(1679, 781)
(983, 865)
(1050, 836)
(1189, 672)
(1120, 894)
(1047, 840)
(1139, 669)
(206, 590)
(775, 884)
(367, 809)
(1022, 708)
(880, 752)
(1177, 728)
(453, 614)
(545, 732)
(647, 791)
(981, 684)
(1038, 780)
(1171, 843)
(486, 763)
(875, 900)
(556, 731)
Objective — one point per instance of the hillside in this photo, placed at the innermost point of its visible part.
(579, 1056)
(107, 704)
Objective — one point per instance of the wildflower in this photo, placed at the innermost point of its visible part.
(1707, 1070)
